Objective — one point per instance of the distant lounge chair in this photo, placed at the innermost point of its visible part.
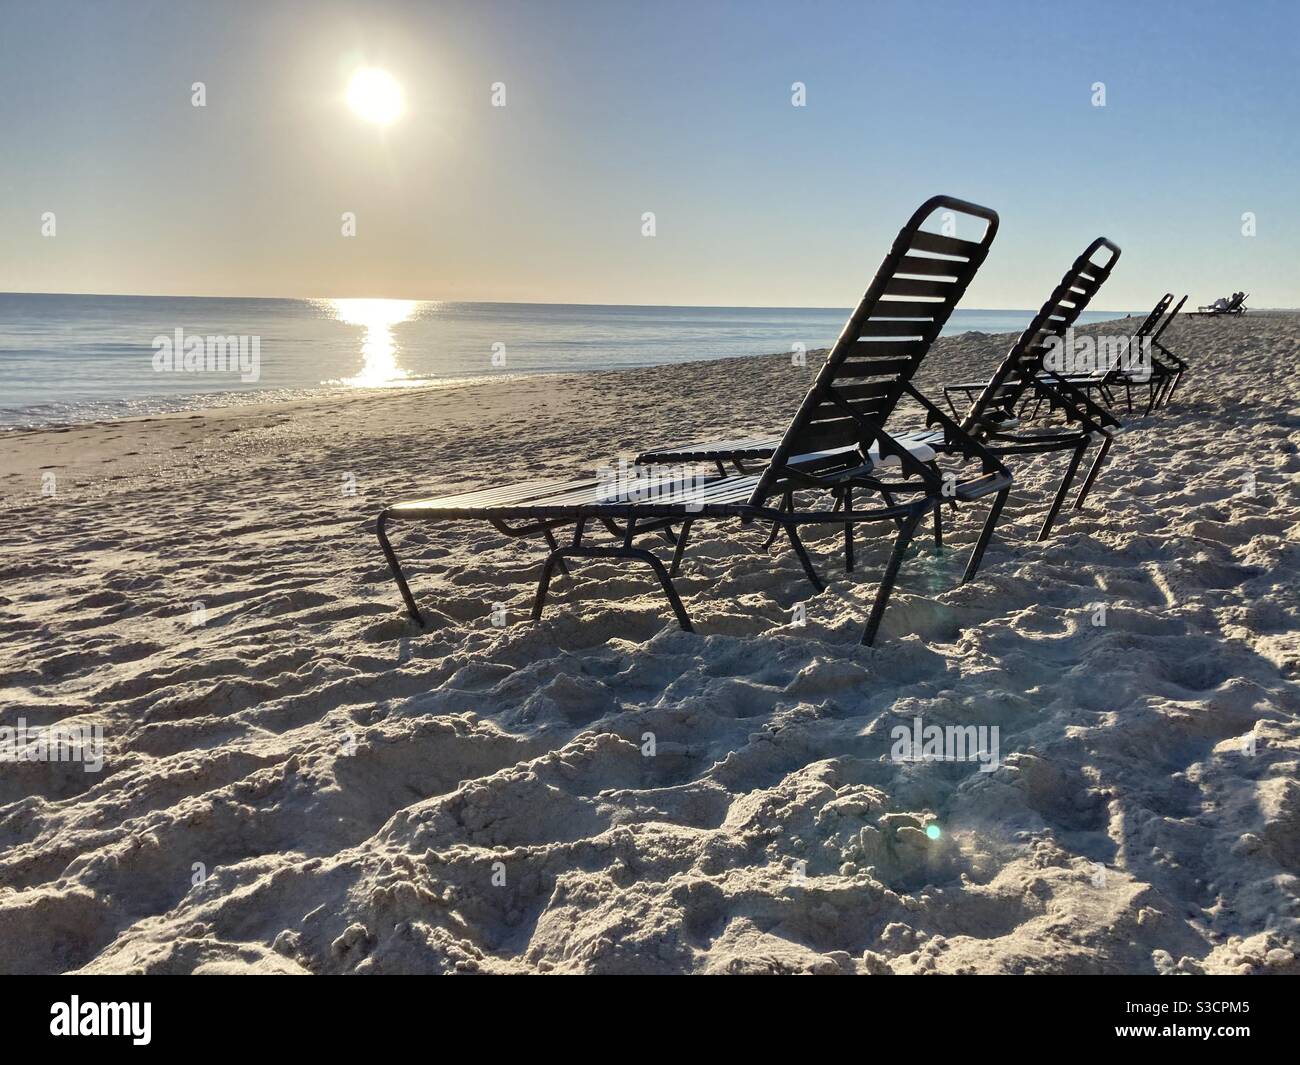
(991, 404)
(1107, 380)
(825, 449)
(1167, 367)
(1234, 305)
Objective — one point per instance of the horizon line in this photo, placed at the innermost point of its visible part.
(525, 303)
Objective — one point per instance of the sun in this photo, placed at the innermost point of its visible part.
(375, 96)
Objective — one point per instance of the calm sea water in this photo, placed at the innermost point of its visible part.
(79, 358)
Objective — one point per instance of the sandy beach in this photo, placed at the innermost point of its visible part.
(297, 779)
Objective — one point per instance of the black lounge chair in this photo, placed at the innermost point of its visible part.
(1108, 380)
(1024, 373)
(991, 405)
(1165, 370)
(824, 450)
(1167, 367)
(1235, 305)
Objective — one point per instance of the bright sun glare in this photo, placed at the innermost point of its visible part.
(375, 96)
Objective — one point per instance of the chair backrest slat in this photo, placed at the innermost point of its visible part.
(1025, 359)
(904, 309)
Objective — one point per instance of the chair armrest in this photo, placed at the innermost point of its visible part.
(968, 491)
(957, 439)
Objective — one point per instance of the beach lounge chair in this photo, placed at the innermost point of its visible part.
(1167, 367)
(1025, 372)
(989, 405)
(1234, 305)
(1108, 380)
(825, 449)
(1164, 369)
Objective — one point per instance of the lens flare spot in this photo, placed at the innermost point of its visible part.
(375, 96)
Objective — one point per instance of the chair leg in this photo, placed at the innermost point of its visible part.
(1174, 385)
(539, 600)
(1093, 471)
(938, 518)
(848, 531)
(787, 504)
(1174, 378)
(905, 534)
(1062, 491)
(986, 534)
(1152, 392)
(594, 551)
(680, 548)
(806, 562)
(550, 542)
(396, 570)
(1163, 391)
(673, 598)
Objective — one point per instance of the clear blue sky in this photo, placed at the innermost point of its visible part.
(614, 109)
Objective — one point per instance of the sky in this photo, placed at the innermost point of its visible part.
(615, 109)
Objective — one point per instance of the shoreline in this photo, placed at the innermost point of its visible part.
(201, 402)
(27, 455)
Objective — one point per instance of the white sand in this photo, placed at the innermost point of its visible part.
(350, 784)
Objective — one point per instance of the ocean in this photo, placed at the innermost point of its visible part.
(72, 358)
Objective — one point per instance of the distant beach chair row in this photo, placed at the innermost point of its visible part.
(838, 463)
(1229, 305)
(1156, 368)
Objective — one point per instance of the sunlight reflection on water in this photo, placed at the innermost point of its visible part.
(379, 368)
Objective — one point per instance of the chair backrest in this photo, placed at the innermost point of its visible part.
(1025, 359)
(1168, 319)
(1157, 312)
(914, 292)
